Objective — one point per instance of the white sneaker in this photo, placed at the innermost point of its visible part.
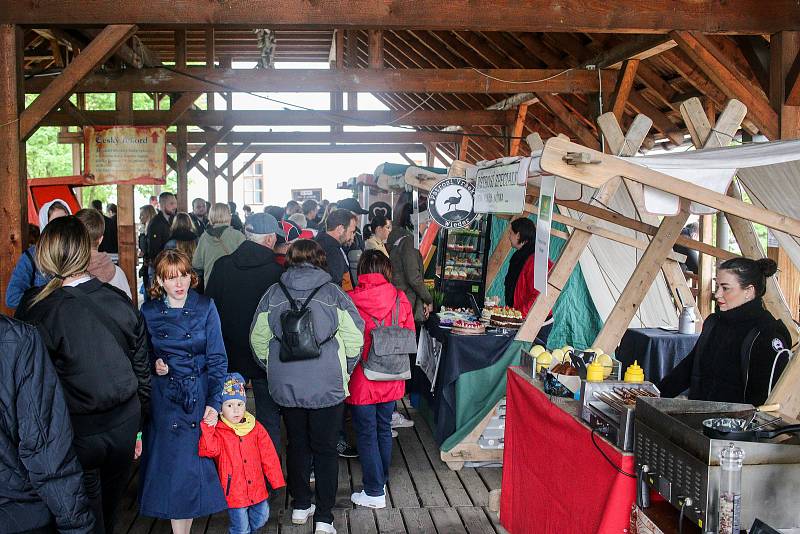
(299, 517)
(362, 499)
(394, 433)
(398, 421)
(324, 528)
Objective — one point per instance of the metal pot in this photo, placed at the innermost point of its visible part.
(741, 429)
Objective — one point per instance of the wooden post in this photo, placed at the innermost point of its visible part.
(211, 158)
(784, 53)
(623, 88)
(126, 215)
(352, 63)
(706, 274)
(578, 240)
(463, 147)
(337, 99)
(668, 232)
(182, 155)
(13, 183)
(376, 49)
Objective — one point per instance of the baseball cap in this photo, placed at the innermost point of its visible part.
(263, 223)
(351, 204)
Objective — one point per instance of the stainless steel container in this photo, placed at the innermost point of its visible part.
(607, 407)
(682, 463)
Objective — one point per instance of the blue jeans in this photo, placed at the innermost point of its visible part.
(373, 425)
(250, 519)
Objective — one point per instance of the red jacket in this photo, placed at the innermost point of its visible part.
(375, 297)
(525, 294)
(242, 462)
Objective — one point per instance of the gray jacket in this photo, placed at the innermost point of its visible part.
(407, 271)
(319, 382)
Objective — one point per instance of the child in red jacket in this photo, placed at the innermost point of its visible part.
(244, 455)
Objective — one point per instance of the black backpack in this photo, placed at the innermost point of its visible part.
(299, 341)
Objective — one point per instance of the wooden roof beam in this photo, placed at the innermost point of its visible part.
(728, 78)
(59, 89)
(367, 148)
(457, 81)
(623, 16)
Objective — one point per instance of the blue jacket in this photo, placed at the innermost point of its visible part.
(174, 481)
(25, 276)
(41, 477)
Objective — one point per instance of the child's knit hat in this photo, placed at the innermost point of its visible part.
(233, 388)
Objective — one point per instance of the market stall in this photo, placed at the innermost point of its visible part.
(558, 475)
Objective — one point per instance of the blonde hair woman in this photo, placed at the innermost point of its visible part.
(97, 342)
(184, 235)
(220, 239)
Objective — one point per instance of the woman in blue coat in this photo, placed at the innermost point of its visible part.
(188, 364)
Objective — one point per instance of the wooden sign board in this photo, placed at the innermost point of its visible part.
(501, 188)
(125, 154)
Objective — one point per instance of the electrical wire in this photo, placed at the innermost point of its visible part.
(332, 114)
(680, 518)
(594, 442)
(522, 81)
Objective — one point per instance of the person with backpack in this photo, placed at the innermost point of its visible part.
(307, 335)
(97, 342)
(742, 349)
(379, 378)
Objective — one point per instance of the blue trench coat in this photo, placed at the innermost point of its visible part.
(175, 482)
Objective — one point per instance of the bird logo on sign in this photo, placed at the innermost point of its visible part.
(451, 203)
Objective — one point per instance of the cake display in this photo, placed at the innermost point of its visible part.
(506, 317)
(471, 328)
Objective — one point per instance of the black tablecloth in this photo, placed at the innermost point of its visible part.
(460, 354)
(658, 351)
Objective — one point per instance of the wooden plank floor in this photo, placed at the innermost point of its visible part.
(423, 497)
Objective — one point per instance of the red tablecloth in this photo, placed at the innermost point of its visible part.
(554, 479)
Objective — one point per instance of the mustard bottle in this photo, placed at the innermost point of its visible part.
(634, 373)
(594, 372)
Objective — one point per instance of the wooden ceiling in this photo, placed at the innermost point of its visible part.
(666, 74)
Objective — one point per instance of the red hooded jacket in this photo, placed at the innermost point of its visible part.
(525, 294)
(375, 297)
(242, 462)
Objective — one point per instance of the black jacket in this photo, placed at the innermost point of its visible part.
(41, 477)
(201, 225)
(237, 284)
(733, 358)
(515, 265)
(100, 378)
(337, 261)
(110, 242)
(158, 232)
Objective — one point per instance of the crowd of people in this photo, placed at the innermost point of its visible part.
(99, 383)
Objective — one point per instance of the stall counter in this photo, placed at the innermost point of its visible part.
(554, 478)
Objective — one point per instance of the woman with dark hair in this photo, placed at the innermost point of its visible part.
(97, 342)
(188, 366)
(311, 391)
(407, 265)
(519, 290)
(372, 403)
(742, 349)
(380, 228)
(183, 235)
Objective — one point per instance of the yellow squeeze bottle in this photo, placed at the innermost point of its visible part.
(634, 373)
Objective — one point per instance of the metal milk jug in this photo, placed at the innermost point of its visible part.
(686, 320)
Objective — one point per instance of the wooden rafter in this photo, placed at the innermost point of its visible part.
(749, 17)
(62, 87)
(624, 86)
(727, 77)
